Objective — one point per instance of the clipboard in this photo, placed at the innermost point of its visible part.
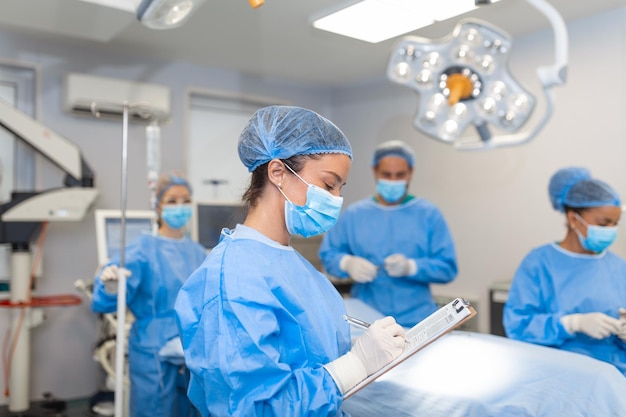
(442, 321)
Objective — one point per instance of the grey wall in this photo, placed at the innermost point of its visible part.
(495, 202)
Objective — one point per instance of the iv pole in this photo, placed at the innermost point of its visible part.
(143, 111)
(121, 288)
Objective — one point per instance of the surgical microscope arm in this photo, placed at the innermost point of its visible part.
(19, 217)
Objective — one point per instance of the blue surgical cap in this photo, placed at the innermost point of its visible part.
(168, 180)
(574, 187)
(393, 148)
(591, 193)
(280, 132)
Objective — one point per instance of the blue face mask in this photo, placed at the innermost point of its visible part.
(316, 216)
(391, 191)
(599, 238)
(176, 216)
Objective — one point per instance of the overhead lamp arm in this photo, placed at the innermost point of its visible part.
(556, 74)
(549, 76)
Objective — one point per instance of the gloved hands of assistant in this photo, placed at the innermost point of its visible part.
(398, 265)
(381, 343)
(110, 277)
(359, 269)
(596, 325)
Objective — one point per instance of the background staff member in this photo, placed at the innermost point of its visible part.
(568, 294)
(392, 244)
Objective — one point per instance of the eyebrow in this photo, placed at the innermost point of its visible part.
(337, 177)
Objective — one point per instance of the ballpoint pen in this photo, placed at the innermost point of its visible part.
(356, 322)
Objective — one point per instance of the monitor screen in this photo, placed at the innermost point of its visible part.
(212, 217)
(108, 230)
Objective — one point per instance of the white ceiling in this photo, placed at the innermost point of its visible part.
(275, 41)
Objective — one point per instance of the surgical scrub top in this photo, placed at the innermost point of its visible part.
(257, 323)
(416, 229)
(158, 265)
(552, 282)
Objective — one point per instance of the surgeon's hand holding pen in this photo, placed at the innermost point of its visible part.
(382, 342)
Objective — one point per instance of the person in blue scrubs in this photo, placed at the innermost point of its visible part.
(392, 244)
(156, 267)
(569, 294)
(262, 330)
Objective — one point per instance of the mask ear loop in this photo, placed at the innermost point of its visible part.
(581, 219)
(296, 174)
(280, 184)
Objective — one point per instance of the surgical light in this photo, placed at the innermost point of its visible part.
(165, 14)
(463, 80)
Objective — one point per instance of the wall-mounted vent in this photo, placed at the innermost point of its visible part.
(105, 97)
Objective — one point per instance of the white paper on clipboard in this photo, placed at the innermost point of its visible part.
(442, 321)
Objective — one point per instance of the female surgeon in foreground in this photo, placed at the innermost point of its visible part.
(262, 329)
(569, 294)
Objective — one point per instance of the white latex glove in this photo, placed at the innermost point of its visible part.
(596, 325)
(110, 276)
(359, 269)
(381, 343)
(622, 320)
(398, 265)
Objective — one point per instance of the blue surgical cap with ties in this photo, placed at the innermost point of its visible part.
(574, 187)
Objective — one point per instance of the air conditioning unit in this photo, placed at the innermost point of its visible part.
(105, 97)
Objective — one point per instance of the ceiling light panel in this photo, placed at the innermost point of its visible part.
(378, 20)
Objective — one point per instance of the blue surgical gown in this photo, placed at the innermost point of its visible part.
(552, 282)
(257, 323)
(417, 230)
(158, 266)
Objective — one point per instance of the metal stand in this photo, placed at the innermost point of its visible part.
(121, 292)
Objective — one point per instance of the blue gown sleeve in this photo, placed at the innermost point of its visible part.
(440, 265)
(527, 315)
